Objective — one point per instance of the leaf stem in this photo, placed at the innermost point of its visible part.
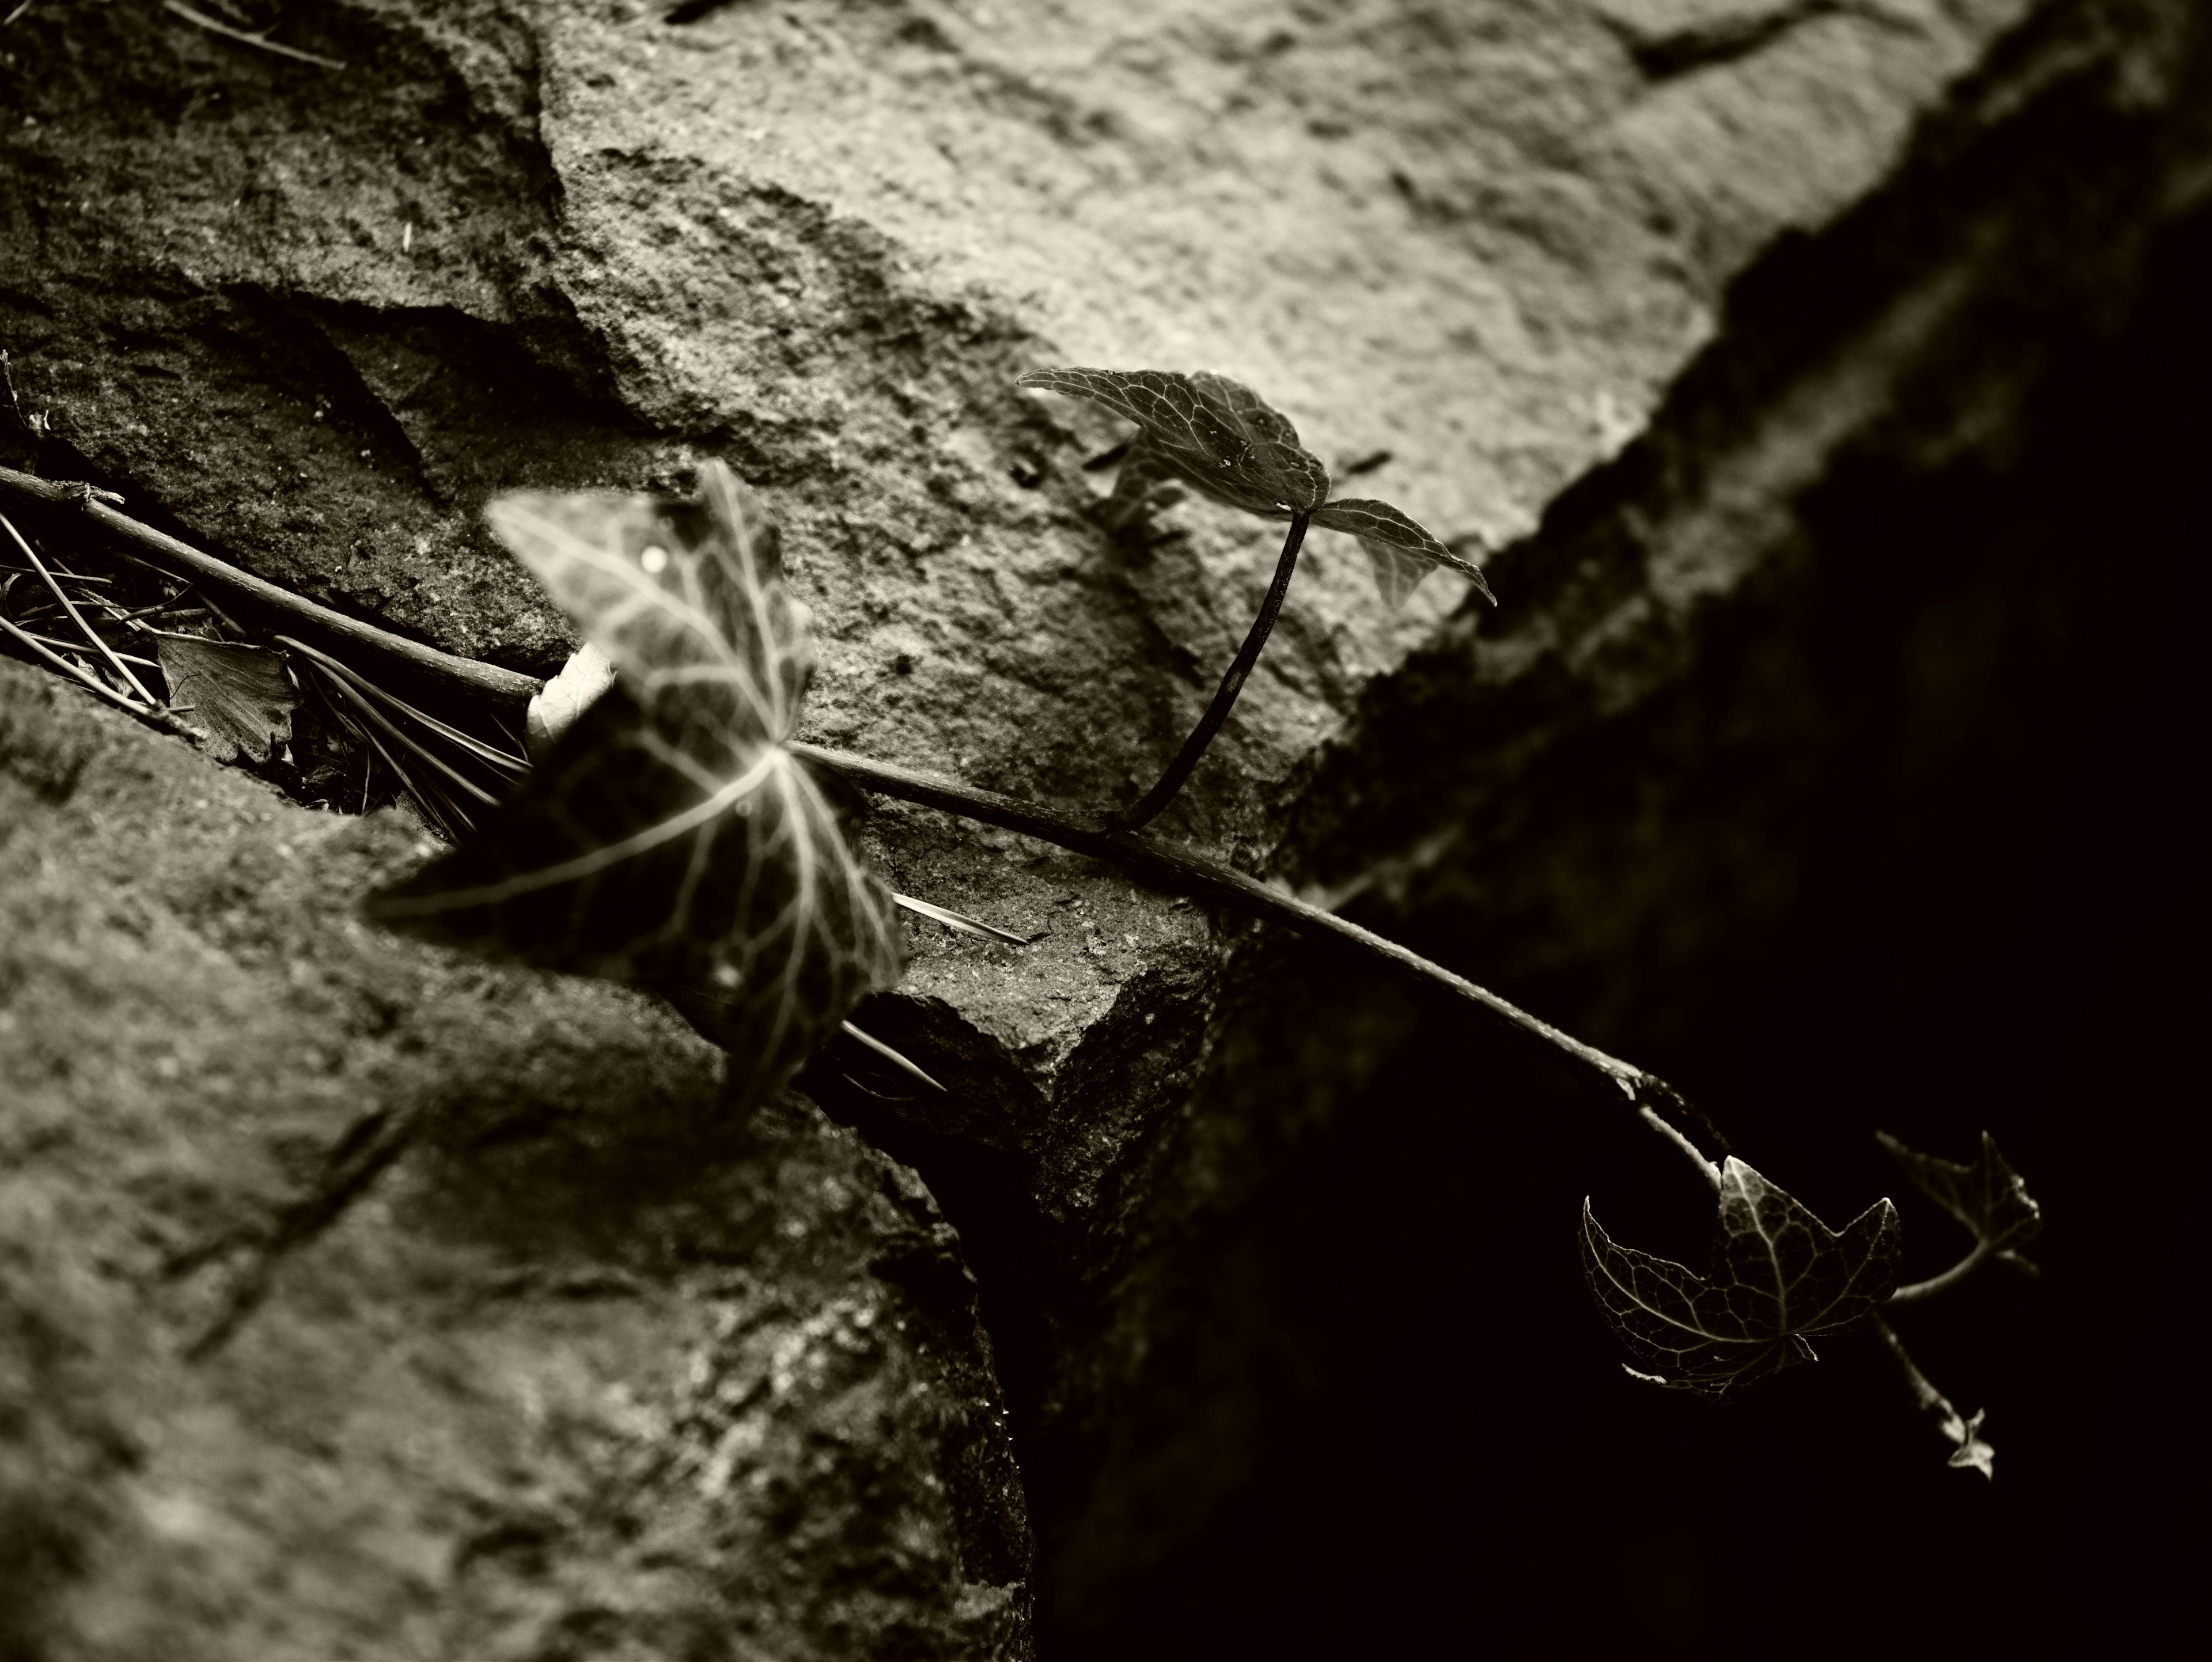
(1706, 1169)
(1147, 808)
(1950, 1278)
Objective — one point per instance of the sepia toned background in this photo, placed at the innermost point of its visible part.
(1820, 387)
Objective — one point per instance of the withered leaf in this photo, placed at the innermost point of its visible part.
(1216, 435)
(587, 674)
(236, 698)
(669, 837)
(1403, 553)
(1987, 1196)
(1778, 1274)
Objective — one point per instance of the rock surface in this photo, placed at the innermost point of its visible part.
(1617, 287)
(361, 1300)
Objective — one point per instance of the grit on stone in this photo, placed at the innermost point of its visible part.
(363, 1301)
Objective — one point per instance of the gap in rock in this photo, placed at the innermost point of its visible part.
(1992, 888)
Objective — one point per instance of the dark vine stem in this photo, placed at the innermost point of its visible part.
(1147, 808)
(1181, 872)
(1950, 1278)
(1174, 869)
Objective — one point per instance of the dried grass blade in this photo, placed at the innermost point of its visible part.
(215, 26)
(961, 921)
(514, 766)
(76, 616)
(377, 718)
(159, 716)
(891, 1056)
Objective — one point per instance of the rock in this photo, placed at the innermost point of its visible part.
(1776, 770)
(583, 247)
(1614, 291)
(361, 1297)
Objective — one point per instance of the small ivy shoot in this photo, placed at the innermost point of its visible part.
(1225, 442)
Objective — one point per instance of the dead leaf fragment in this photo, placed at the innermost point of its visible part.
(587, 674)
(236, 698)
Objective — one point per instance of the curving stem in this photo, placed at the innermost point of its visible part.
(1950, 1278)
(1147, 808)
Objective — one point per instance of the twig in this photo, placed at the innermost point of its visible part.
(1951, 1277)
(215, 26)
(1147, 809)
(163, 552)
(76, 616)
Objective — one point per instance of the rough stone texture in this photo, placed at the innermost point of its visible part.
(1798, 726)
(1624, 280)
(588, 1370)
(823, 241)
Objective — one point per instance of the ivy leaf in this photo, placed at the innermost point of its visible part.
(1397, 574)
(669, 837)
(1778, 1274)
(1218, 435)
(1403, 552)
(1222, 439)
(236, 698)
(1987, 1195)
